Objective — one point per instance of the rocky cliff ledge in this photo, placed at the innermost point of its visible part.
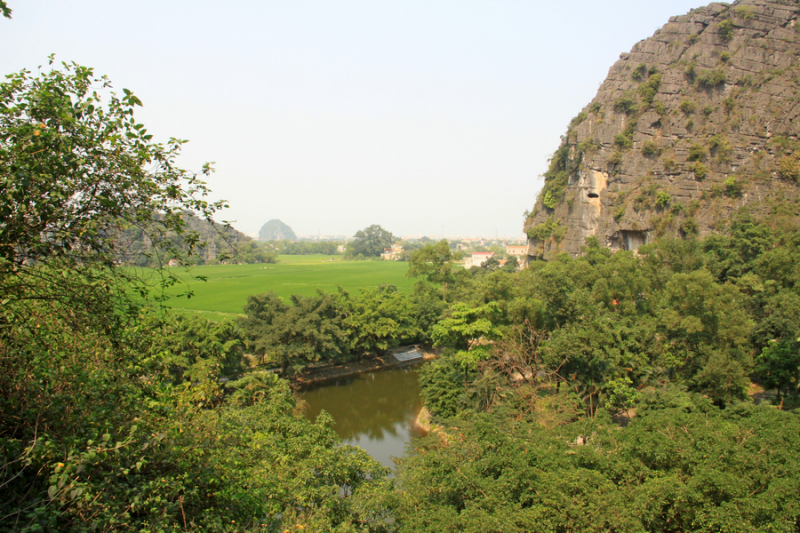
(694, 123)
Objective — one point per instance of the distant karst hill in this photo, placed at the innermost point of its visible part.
(694, 123)
(275, 230)
(212, 242)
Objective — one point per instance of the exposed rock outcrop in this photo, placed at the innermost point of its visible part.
(694, 123)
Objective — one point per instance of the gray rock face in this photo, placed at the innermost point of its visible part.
(275, 230)
(694, 123)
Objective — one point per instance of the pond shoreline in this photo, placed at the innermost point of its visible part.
(324, 374)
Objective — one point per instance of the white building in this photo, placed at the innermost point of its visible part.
(477, 259)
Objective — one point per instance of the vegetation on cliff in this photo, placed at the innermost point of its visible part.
(691, 125)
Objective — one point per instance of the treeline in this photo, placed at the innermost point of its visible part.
(333, 328)
(284, 247)
(611, 392)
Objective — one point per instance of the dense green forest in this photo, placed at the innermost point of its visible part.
(609, 392)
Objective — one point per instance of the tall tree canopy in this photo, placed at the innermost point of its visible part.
(370, 242)
(112, 419)
(433, 263)
(76, 170)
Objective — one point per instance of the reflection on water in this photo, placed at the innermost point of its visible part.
(375, 411)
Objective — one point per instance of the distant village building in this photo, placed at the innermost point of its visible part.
(174, 263)
(341, 248)
(393, 253)
(520, 252)
(477, 259)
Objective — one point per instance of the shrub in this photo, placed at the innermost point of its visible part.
(662, 199)
(725, 29)
(699, 170)
(697, 152)
(693, 38)
(687, 107)
(689, 227)
(689, 72)
(549, 200)
(641, 203)
(745, 12)
(789, 169)
(547, 229)
(625, 104)
(707, 110)
(719, 145)
(595, 107)
(725, 57)
(557, 176)
(649, 148)
(578, 119)
(729, 104)
(639, 72)
(670, 165)
(647, 93)
(589, 146)
(648, 89)
(623, 141)
(709, 79)
(559, 232)
(732, 187)
(660, 108)
(615, 158)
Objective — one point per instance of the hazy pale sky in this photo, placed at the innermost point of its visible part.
(420, 116)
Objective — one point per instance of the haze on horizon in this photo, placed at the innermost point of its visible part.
(427, 118)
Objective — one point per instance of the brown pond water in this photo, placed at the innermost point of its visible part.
(375, 411)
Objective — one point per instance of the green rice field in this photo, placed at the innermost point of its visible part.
(225, 292)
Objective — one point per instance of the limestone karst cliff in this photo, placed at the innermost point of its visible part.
(275, 230)
(694, 123)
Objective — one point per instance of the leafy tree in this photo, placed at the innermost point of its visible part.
(249, 252)
(75, 170)
(196, 348)
(683, 468)
(378, 319)
(705, 327)
(370, 242)
(462, 327)
(778, 366)
(441, 388)
(433, 262)
(294, 336)
(512, 264)
(263, 314)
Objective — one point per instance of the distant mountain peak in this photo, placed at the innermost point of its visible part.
(275, 230)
